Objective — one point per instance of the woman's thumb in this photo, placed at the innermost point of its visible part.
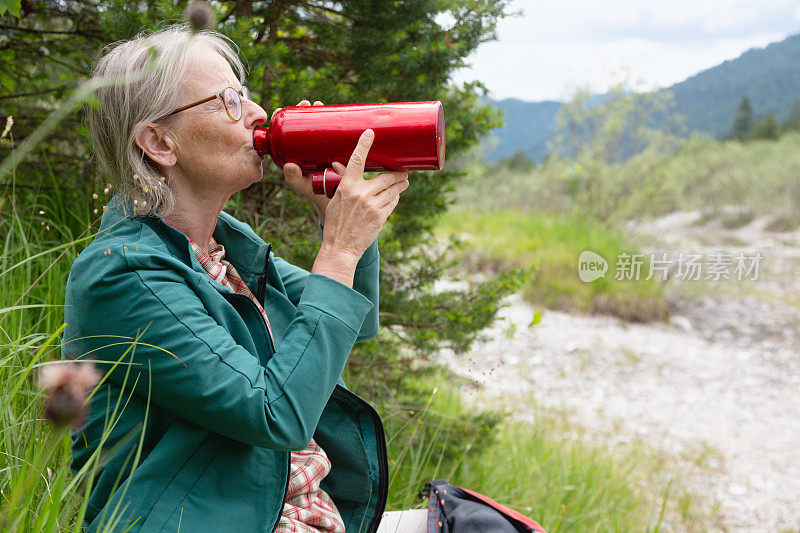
(339, 168)
(291, 169)
(293, 173)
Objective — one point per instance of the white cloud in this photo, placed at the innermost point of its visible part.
(557, 46)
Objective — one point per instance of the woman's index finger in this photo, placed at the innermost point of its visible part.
(355, 167)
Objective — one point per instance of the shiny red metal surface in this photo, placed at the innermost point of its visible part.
(408, 135)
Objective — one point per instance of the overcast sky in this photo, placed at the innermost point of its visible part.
(558, 45)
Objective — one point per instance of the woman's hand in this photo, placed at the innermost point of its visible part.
(356, 214)
(359, 208)
(302, 183)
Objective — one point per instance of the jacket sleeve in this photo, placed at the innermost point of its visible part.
(197, 370)
(365, 282)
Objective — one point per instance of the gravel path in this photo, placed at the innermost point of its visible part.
(717, 386)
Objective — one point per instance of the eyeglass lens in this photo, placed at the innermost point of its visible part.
(233, 103)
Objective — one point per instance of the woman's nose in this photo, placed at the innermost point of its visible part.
(254, 114)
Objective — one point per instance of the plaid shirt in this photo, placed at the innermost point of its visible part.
(307, 508)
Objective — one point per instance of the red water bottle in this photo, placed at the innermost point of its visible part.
(408, 136)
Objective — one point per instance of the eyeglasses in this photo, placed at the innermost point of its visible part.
(231, 99)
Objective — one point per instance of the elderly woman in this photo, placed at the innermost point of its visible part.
(227, 387)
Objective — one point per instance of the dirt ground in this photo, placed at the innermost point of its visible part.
(715, 388)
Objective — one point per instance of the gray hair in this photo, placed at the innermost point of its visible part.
(144, 76)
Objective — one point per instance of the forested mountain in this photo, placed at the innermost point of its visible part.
(769, 76)
(528, 127)
(708, 101)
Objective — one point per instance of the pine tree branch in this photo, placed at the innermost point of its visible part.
(35, 93)
(50, 32)
(332, 11)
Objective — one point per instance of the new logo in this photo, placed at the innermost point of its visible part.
(591, 266)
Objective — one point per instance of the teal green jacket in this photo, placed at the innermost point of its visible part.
(225, 406)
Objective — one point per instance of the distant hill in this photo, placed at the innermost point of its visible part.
(528, 127)
(769, 76)
(708, 100)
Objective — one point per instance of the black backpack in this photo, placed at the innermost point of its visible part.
(453, 509)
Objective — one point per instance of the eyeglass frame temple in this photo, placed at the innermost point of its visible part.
(204, 100)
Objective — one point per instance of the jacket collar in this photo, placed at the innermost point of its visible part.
(243, 248)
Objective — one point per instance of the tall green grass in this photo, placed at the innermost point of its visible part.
(42, 235)
(551, 243)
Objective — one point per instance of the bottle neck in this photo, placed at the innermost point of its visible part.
(261, 140)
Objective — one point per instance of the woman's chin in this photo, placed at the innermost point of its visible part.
(242, 183)
(257, 176)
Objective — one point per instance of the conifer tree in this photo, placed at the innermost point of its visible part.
(767, 128)
(742, 126)
(793, 120)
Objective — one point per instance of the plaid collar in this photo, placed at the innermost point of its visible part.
(213, 260)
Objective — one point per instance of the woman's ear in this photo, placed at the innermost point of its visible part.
(157, 144)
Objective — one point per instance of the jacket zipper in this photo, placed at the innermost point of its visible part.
(260, 295)
(285, 490)
(262, 281)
